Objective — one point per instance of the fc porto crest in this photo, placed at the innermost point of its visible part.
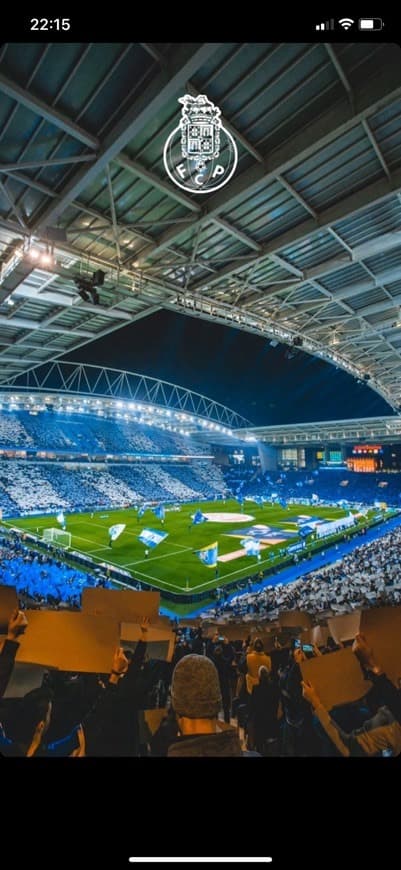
(200, 155)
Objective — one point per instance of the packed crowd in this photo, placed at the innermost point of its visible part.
(221, 699)
(28, 486)
(53, 430)
(332, 485)
(367, 577)
(41, 579)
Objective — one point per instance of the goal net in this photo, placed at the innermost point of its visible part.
(57, 536)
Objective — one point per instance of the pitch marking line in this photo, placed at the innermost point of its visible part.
(157, 581)
(155, 558)
(127, 532)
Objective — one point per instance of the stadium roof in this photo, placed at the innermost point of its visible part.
(368, 429)
(88, 389)
(302, 246)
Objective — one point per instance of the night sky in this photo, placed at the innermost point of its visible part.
(235, 368)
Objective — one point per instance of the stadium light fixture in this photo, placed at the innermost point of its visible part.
(46, 259)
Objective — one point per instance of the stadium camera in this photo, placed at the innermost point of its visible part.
(87, 286)
(84, 294)
(98, 278)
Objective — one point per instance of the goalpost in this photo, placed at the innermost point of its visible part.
(57, 536)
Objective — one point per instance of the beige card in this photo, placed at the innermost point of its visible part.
(8, 603)
(344, 627)
(69, 641)
(337, 677)
(382, 628)
(295, 619)
(123, 605)
(162, 641)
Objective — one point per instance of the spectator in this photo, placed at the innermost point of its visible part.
(223, 667)
(381, 733)
(16, 625)
(254, 661)
(263, 725)
(196, 700)
(297, 731)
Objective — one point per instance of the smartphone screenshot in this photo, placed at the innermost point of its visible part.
(200, 395)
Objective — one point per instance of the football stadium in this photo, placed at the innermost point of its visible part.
(200, 398)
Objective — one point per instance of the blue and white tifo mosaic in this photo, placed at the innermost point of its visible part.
(260, 533)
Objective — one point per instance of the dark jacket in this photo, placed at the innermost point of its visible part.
(263, 710)
(7, 658)
(222, 744)
(111, 728)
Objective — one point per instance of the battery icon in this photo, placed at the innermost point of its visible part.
(370, 24)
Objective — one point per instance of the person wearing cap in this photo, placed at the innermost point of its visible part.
(196, 701)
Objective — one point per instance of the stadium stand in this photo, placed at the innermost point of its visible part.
(369, 576)
(330, 485)
(28, 488)
(33, 487)
(50, 430)
(40, 578)
(207, 680)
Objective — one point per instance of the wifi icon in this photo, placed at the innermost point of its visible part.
(346, 23)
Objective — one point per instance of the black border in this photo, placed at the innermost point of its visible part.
(193, 22)
(95, 813)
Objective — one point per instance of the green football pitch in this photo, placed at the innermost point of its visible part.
(172, 566)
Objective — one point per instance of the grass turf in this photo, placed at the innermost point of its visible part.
(172, 566)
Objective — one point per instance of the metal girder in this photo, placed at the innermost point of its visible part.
(340, 72)
(113, 216)
(173, 192)
(350, 205)
(91, 380)
(380, 245)
(377, 307)
(206, 308)
(376, 148)
(186, 60)
(383, 428)
(33, 325)
(31, 182)
(245, 238)
(13, 206)
(330, 125)
(42, 164)
(52, 115)
(294, 193)
(72, 302)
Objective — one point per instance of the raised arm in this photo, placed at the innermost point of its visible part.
(332, 730)
(16, 625)
(389, 695)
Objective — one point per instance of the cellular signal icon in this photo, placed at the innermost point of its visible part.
(325, 25)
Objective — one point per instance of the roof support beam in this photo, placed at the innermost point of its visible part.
(356, 202)
(135, 167)
(42, 164)
(337, 120)
(185, 60)
(34, 104)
